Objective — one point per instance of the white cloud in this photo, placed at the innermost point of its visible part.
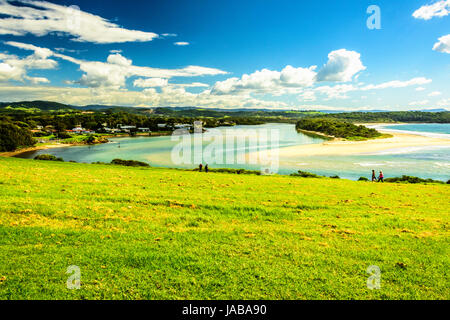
(420, 89)
(15, 68)
(150, 82)
(169, 96)
(444, 103)
(336, 92)
(308, 95)
(340, 91)
(116, 70)
(41, 18)
(261, 81)
(443, 45)
(434, 94)
(437, 9)
(298, 77)
(181, 43)
(398, 84)
(342, 65)
(419, 103)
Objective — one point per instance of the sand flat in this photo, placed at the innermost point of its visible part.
(337, 147)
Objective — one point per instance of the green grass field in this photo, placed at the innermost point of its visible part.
(171, 234)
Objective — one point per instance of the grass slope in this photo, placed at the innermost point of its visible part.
(171, 234)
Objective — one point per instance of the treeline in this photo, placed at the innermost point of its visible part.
(14, 136)
(395, 116)
(337, 128)
(97, 120)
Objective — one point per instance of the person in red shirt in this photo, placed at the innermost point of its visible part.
(381, 177)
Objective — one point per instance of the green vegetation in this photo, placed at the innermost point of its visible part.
(409, 179)
(304, 174)
(154, 233)
(337, 128)
(363, 179)
(394, 116)
(129, 163)
(233, 171)
(47, 157)
(13, 136)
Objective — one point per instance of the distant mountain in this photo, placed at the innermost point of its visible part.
(41, 105)
(189, 110)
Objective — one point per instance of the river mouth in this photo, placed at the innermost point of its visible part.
(433, 162)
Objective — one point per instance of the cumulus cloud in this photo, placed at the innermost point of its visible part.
(117, 69)
(267, 81)
(434, 94)
(443, 45)
(437, 9)
(42, 18)
(150, 82)
(16, 68)
(342, 65)
(420, 89)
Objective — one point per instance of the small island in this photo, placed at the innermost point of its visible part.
(337, 129)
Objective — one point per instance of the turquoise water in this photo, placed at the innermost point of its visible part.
(426, 162)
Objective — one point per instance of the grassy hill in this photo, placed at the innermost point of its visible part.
(140, 233)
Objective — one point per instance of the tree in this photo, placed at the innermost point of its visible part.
(13, 137)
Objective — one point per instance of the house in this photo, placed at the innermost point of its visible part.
(144, 129)
(162, 125)
(182, 126)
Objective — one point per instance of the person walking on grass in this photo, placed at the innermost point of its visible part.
(374, 176)
(200, 167)
(381, 177)
(206, 168)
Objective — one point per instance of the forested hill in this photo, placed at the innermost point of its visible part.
(394, 116)
(264, 115)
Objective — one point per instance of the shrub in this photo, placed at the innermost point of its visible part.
(363, 179)
(129, 163)
(233, 171)
(63, 135)
(304, 174)
(335, 177)
(410, 179)
(40, 134)
(47, 157)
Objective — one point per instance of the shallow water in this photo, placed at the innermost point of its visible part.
(426, 162)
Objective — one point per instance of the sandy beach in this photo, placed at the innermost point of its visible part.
(43, 147)
(338, 147)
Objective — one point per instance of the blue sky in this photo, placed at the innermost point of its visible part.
(231, 54)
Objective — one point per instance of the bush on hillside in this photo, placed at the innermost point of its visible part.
(47, 157)
(304, 174)
(410, 179)
(363, 179)
(129, 163)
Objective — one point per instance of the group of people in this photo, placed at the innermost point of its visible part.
(380, 177)
(200, 168)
